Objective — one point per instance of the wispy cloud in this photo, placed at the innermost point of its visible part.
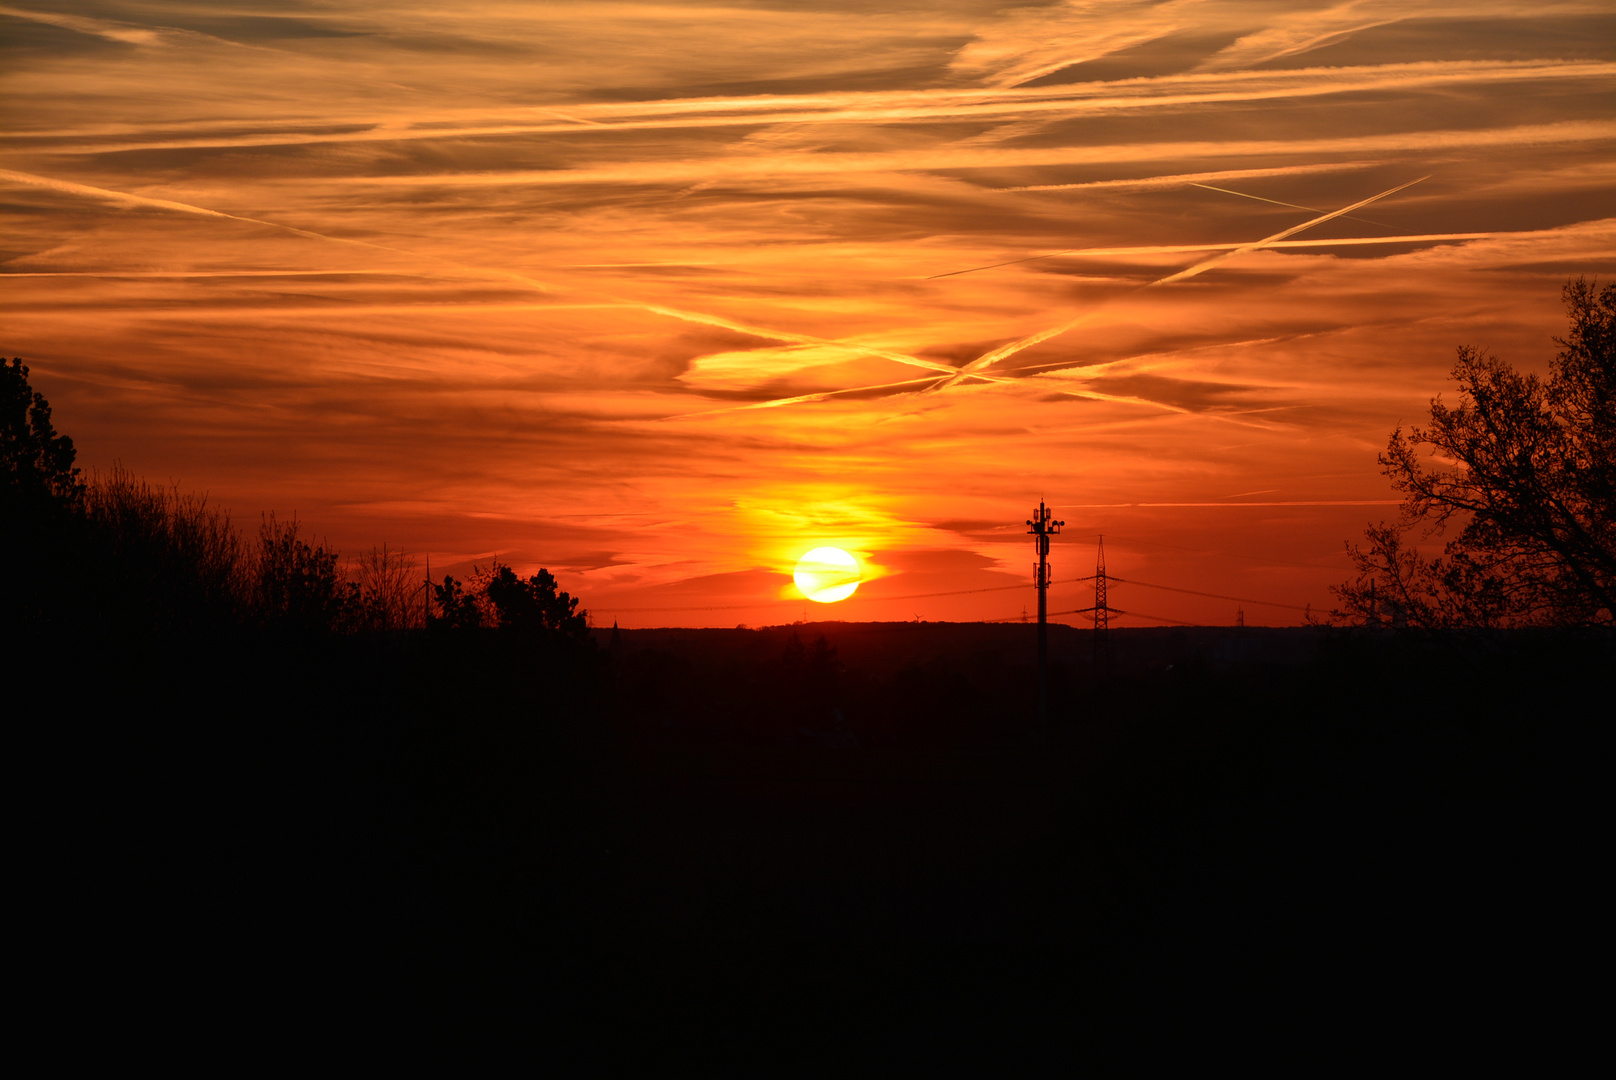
(936, 106)
(733, 168)
(124, 33)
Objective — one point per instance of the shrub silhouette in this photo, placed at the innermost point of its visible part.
(296, 585)
(171, 561)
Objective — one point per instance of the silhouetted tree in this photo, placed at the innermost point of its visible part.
(457, 608)
(36, 464)
(1532, 493)
(40, 499)
(535, 605)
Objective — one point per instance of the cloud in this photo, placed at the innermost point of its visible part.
(740, 168)
(822, 113)
(125, 33)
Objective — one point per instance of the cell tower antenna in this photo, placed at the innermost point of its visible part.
(1041, 528)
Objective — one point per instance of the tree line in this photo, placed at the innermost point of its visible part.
(117, 553)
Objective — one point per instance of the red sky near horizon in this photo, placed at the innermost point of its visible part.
(661, 296)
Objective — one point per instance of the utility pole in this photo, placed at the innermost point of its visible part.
(1041, 529)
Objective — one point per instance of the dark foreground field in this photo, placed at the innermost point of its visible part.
(678, 812)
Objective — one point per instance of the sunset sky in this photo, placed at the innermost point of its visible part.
(661, 296)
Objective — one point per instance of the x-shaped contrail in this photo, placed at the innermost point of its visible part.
(1005, 351)
(976, 368)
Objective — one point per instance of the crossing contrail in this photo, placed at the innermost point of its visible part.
(1276, 202)
(975, 368)
(1005, 351)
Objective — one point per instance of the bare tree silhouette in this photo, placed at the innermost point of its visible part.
(389, 591)
(1530, 491)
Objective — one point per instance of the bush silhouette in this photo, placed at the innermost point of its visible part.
(171, 562)
(296, 584)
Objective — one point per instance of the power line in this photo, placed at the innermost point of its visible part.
(1227, 554)
(788, 600)
(1157, 618)
(956, 592)
(1119, 611)
(986, 589)
(1214, 596)
(1113, 611)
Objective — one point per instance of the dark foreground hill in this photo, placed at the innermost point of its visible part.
(678, 812)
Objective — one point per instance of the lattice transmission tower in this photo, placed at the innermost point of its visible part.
(1101, 611)
(1102, 614)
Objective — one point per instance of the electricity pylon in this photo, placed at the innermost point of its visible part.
(1041, 528)
(1102, 615)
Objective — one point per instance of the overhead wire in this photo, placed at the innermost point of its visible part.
(1214, 596)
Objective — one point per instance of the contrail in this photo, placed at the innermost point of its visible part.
(975, 366)
(1293, 206)
(995, 266)
(821, 395)
(775, 403)
(888, 107)
(124, 198)
(799, 339)
(1174, 180)
(1178, 249)
(1004, 351)
(1202, 267)
(740, 169)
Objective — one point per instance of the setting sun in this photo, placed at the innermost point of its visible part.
(827, 574)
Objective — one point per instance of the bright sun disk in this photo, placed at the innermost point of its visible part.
(827, 574)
